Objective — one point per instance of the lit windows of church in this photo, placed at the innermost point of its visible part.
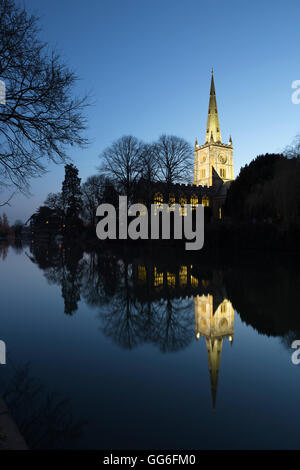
(194, 282)
(158, 201)
(194, 201)
(142, 274)
(182, 202)
(183, 276)
(171, 202)
(158, 278)
(203, 173)
(171, 280)
(205, 201)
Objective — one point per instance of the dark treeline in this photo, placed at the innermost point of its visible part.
(267, 190)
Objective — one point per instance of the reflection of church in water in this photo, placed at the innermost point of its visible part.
(214, 313)
(215, 323)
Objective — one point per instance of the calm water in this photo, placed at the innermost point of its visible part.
(151, 350)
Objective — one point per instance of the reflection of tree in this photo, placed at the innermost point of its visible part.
(71, 282)
(44, 419)
(167, 323)
(62, 266)
(173, 324)
(120, 318)
(3, 251)
(100, 279)
(267, 299)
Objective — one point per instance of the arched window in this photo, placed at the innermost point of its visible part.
(205, 201)
(183, 276)
(182, 202)
(171, 202)
(158, 278)
(194, 201)
(158, 199)
(171, 280)
(158, 202)
(142, 274)
(223, 307)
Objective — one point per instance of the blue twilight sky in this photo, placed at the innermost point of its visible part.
(147, 64)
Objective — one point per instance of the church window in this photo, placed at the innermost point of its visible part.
(203, 173)
(182, 202)
(223, 173)
(223, 307)
(183, 276)
(194, 201)
(158, 201)
(158, 278)
(171, 280)
(142, 274)
(194, 282)
(205, 201)
(171, 203)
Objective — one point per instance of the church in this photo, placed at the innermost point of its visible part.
(213, 171)
(213, 159)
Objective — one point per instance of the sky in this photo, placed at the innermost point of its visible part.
(147, 65)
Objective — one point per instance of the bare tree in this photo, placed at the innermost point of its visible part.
(92, 194)
(40, 118)
(148, 164)
(55, 202)
(121, 162)
(174, 159)
(293, 150)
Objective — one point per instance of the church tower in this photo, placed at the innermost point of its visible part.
(213, 159)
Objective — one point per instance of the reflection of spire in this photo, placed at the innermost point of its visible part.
(214, 350)
(214, 321)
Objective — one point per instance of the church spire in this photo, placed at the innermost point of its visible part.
(213, 126)
(214, 350)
